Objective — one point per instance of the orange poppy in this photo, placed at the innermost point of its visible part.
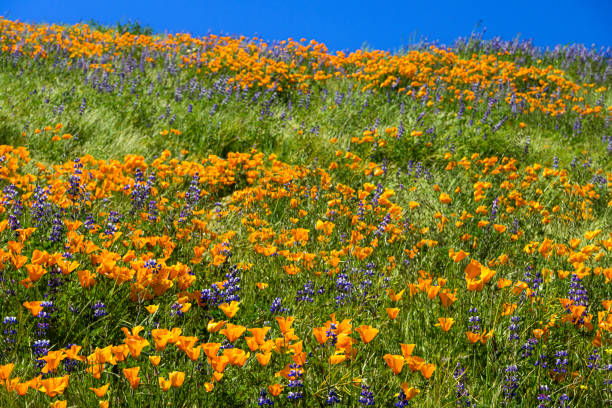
(132, 375)
(264, 358)
(392, 312)
(176, 378)
(230, 309)
(100, 391)
(367, 333)
(233, 332)
(445, 323)
(275, 389)
(395, 362)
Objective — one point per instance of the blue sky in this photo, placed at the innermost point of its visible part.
(342, 25)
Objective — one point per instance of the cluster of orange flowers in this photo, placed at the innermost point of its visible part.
(307, 244)
(256, 63)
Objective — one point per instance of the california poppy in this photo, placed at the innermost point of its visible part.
(445, 323)
(100, 391)
(395, 362)
(132, 375)
(367, 333)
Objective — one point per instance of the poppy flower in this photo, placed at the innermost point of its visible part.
(230, 309)
(219, 363)
(176, 378)
(445, 323)
(210, 349)
(135, 345)
(164, 384)
(259, 334)
(284, 323)
(100, 391)
(34, 307)
(264, 358)
(5, 371)
(445, 198)
(395, 362)
(236, 356)
(275, 389)
(427, 370)
(52, 359)
(409, 391)
(54, 385)
(395, 297)
(193, 352)
(392, 312)
(232, 332)
(214, 327)
(447, 298)
(472, 337)
(509, 309)
(152, 308)
(86, 278)
(367, 333)
(35, 272)
(132, 375)
(502, 283)
(337, 358)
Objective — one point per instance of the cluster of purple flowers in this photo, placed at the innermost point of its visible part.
(296, 384)
(9, 332)
(14, 205)
(214, 296)
(461, 392)
(473, 320)
(191, 198)
(141, 190)
(366, 398)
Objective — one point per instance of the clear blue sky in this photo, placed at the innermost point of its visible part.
(342, 25)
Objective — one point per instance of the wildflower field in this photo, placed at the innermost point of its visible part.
(224, 221)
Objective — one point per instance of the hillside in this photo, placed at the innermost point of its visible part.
(226, 221)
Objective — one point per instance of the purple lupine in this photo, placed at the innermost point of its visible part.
(191, 198)
(57, 229)
(332, 397)
(366, 397)
(40, 348)
(473, 320)
(296, 384)
(527, 348)
(306, 293)
(41, 208)
(11, 199)
(99, 310)
(277, 306)
(514, 328)
(511, 381)
(461, 392)
(9, 333)
(263, 399)
(111, 223)
(493, 214)
(543, 396)
(344, 287)
(577, 126)
(499, 124)
(561, 362)
(593, 360)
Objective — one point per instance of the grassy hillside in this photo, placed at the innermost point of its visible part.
(225, 221)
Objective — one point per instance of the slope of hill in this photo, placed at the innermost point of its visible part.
(271, 223)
